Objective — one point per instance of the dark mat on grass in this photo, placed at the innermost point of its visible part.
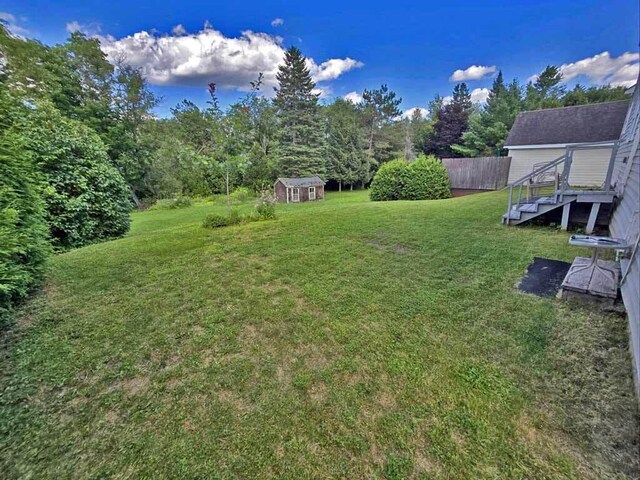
(544, 277)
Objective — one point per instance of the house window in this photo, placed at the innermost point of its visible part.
(295, 194)
(312, 193)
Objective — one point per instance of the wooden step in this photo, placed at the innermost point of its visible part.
(512, 215)
(528, 208)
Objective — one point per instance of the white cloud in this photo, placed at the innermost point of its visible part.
(7, 17)
(605, 69)
(478, 95)
(409, 113)
(13, 24)
(179, 30)
(322, 92)
(276, 22)
(209, 56)
(353, 97)
(90, 29)
(602, 69)
(73, 27)
(474, 72)
(331, 69)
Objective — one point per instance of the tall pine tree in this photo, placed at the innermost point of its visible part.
(301, 147)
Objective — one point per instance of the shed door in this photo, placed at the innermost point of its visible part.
(295, 194)
(312, 193)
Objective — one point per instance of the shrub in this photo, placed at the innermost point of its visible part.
(214, 220)
(182, 202)
(266, 205)
(86, 198)
(240, 195)
(234, 217)
(24, 244)
(429, 180)
(424, 179)
(390, 181)
(172, 203)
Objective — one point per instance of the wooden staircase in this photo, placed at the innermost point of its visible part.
(561, 194)
(528, 210)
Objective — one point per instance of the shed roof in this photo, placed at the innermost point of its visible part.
(301, 182)
(595, 122)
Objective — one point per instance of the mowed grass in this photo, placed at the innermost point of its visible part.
(346, 339)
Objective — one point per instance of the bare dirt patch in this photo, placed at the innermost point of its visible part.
(232, 398)
(131, 386)
(173, 383)
(381, 242)
(425, 464)
(111, 417)
(318, 392)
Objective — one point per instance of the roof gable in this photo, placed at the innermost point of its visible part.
(301, 181)
(594, 122)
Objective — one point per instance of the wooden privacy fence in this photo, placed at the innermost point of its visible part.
(479, 173)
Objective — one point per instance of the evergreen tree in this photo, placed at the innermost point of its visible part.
(546, 91)
(345, 143)
(301, 146)
(489, 127)
(452, 121)
(379, 109)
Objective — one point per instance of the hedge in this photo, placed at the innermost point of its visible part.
(24, 244)
(423, 179)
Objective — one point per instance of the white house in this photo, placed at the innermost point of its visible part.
(542, 135)
(625, 222)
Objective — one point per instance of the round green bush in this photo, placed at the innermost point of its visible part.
(86, 198)
(423, 179)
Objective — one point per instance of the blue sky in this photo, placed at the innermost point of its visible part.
(414, 47)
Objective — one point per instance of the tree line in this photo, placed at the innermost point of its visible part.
(80, 145)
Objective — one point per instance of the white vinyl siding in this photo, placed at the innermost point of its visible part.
(589, 167)
(625, 223)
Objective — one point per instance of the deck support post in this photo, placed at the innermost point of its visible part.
(595, 208)
(565, 216)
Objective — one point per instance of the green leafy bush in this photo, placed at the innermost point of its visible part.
(86, 198)
(214, 220)
(424, 179)
(172, 203)
(240, 195)
(24, 244)
(390, 181)
(266, 205)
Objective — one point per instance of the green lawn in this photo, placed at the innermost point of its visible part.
(345, 339)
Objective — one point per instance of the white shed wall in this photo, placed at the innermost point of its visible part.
(589, 167)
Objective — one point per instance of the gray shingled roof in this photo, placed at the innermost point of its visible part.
(595, 122)
(301, 182)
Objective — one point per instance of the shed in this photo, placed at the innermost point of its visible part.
(300, 189)
(542, 135)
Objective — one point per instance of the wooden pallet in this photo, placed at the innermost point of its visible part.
(591, 281)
